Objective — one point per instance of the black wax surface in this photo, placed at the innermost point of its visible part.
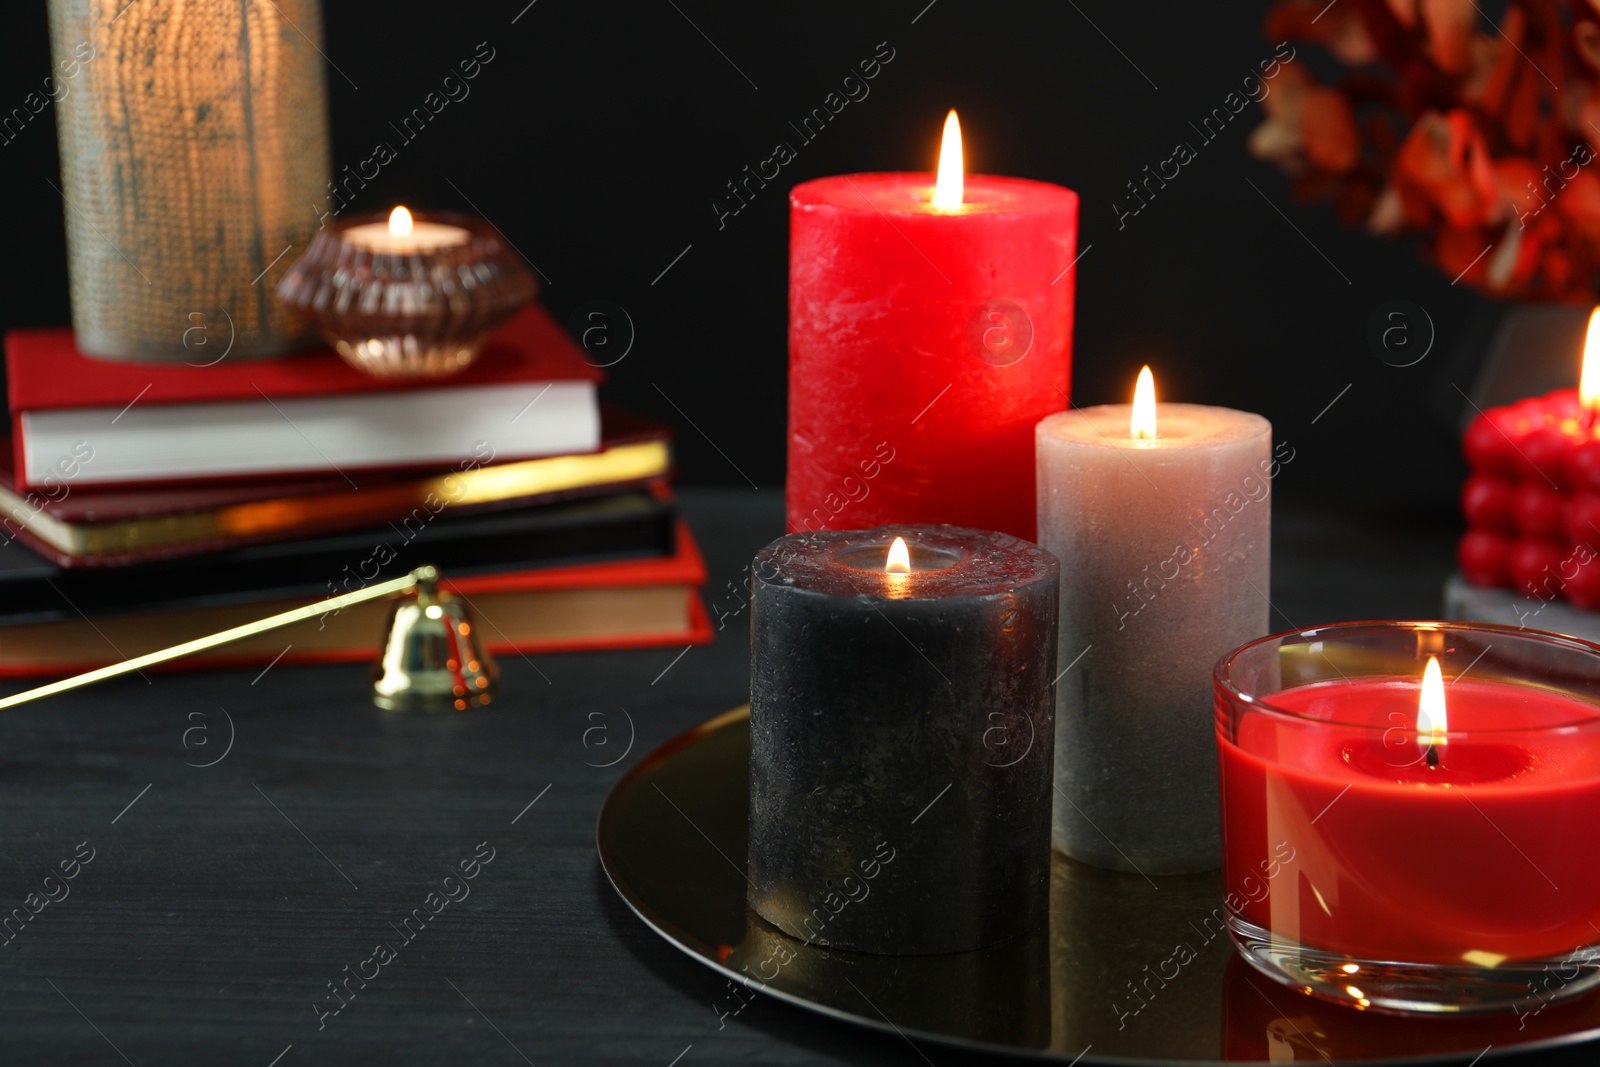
(902, 738)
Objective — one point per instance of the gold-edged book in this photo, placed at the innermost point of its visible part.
(76, 527)
(612, 604)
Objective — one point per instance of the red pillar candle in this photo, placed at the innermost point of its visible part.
(925, 342)
(1406, 844)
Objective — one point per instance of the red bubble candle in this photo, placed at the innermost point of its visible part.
(930, 321)
(1437, 786)
(1532, 501)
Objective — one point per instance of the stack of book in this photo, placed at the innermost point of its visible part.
(146, 504)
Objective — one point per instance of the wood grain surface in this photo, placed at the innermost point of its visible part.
(222, 899)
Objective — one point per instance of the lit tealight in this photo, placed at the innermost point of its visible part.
(403, 235)
(400, 222)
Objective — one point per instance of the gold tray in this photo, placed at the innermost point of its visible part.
(1131, 968)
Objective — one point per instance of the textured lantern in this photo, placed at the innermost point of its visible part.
(194, 155)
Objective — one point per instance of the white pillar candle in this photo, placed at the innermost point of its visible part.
(1162, 531)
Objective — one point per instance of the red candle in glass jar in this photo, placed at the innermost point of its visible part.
(1382, 876)
(930, 329)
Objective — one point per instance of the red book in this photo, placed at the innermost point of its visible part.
(83, 421)
(627, 604)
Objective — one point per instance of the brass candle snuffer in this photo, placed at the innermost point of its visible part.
(430, 659)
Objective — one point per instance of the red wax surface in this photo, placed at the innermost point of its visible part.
(924, 345)
(1486, 502)
(1485, 557)
(1585, 468)
(1535, 566)
(1489, 854)
(1539, 511)
(1535, 471)
(1583, 588)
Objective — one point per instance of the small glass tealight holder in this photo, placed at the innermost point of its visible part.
(404, 297)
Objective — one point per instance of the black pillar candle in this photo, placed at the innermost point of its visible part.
(902, 737)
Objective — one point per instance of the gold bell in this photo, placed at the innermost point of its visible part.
(432, 659)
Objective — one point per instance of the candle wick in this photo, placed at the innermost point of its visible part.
(1432, 756)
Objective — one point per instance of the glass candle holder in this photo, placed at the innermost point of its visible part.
(1408, 811)
(416, 305)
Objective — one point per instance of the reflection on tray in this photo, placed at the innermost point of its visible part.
(1132, 967)
(1135, 962)
(999, 994)
(1267, 1021)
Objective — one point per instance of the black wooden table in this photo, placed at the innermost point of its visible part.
(225, 906)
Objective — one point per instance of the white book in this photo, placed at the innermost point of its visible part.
(309, 435)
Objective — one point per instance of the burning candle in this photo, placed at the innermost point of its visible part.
(403, 235)
(901, 737)
(408, 298)
(1408, 843)
(1160, 519)
(1532, 501)
(930, 321)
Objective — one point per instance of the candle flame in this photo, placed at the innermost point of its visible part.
(899, 558)
(1431, 720)
(949, 188)
(1589, 379)
(400, 222)
(1143, 424)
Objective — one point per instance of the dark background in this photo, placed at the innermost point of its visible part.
(596, 140)
(598, 136)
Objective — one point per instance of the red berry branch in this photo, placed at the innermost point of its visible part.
(1473, 139)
